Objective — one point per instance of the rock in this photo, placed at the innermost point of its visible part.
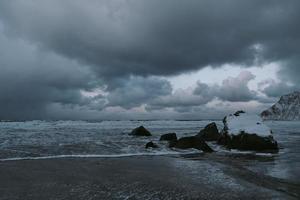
(168, 137)
(151, 145)
(210, 132)
(245, 141)
(247, 132)
(140, 131)
(287, 108)
(172, 143)
(192, 142)
(223, 140)
(237, 113)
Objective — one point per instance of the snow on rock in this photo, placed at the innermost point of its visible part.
(247, 132)
(287, 108)
(246, 123)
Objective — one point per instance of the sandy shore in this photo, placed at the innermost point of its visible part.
(140, 177)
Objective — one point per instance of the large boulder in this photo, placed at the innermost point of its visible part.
(168, 137)
(247, 132)
(192, 142)
(172, 143)
(140, 131)
(210, 132)
(151, 145)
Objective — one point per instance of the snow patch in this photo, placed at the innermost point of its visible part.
(251, 124)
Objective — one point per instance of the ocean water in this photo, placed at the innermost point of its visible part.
(54, 139)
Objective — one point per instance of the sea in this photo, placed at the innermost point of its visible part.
(109, 139)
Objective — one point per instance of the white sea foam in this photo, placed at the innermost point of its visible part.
(91, 156)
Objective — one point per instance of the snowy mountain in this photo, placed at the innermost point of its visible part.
(287, 108)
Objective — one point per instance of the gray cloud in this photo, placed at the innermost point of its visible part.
(30, 80)
(179, 99)
(290, 71)
(158, 38)
(288, 82)
(52, 50)
(234, 89)
(276, 89)
(135, 91)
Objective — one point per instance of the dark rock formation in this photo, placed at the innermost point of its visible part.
(172, 143)
(237, 113)
(192, 142)
(247, 132)
(140, 131)
(151, 145)
(168, 137)
(245, 141)
(210, 132)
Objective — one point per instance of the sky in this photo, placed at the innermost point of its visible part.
(140, 59)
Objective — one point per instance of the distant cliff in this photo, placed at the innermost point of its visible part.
(287, 108)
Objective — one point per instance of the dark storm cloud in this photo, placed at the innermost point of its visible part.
(288, 82)
(158, 37)
(179, 99)
(137, 91)
(52, 50)
(31, 80)
(276, 89)
(290, 71)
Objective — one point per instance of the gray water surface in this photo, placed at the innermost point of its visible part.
(41, 139)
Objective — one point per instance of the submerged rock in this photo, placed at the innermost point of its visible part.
(210, 133)
(246, 132)
(151, 145)
(192, 142)
(140, 131)
(168, 137)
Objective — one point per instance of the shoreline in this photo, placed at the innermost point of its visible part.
(137, 177)
(167, 153)
(86, 156)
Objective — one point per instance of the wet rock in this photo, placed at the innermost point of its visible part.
(168, 137)
(237, 113)
(151, 145)
(172, 143)
(247, 132)
(140, 131)
(210, 132)
(246, 141)
(192, 142)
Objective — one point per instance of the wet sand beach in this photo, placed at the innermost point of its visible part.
(138, 177)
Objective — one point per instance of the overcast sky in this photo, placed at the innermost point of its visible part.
(141, 59)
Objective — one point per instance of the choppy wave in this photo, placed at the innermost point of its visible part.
(33, 140)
